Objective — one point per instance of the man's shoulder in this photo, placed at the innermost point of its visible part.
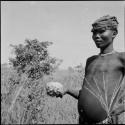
(91, 58)
(121, 55)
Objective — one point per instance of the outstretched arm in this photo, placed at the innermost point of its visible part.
(56, 89)
(73, 92)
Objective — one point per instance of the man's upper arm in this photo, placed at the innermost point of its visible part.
(86, 65)
(88, 61)
(123, 58)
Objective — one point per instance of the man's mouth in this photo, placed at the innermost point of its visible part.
(98, 41)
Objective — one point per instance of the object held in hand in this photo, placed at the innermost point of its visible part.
(54, 89)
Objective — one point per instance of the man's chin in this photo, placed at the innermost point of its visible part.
(98, 46)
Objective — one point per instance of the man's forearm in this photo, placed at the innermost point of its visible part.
(73, 92)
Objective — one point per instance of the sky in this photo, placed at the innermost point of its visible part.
(65, 23)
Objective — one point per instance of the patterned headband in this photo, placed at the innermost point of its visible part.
(108, 22)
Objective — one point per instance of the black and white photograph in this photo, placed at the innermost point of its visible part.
(62, 62)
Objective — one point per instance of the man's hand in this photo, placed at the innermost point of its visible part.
(55, 89)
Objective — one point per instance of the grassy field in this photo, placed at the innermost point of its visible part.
(25, 102)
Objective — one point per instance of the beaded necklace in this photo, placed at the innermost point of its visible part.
(113, 51)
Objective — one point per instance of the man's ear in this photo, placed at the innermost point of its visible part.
(114, 34)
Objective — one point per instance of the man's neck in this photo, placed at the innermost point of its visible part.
(107, 49)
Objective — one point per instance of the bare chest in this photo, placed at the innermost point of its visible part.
(104, 64)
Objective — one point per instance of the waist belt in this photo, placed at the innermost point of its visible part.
(108, 120)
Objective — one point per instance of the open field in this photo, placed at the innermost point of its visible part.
(25, 102)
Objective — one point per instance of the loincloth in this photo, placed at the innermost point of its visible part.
(107, 121)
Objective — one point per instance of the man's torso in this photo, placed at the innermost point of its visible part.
(103, 77)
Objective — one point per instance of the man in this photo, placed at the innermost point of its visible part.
(104, 73)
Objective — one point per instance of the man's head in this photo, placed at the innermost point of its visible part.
(104, 30)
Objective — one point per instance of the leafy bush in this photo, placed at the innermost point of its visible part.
(33, 59)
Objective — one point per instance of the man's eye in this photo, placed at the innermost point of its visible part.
(94, 33)
(101, 31)
(98, 31)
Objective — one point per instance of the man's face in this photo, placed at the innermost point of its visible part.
(102, 37)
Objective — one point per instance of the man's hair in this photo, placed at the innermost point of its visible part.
(107, 22)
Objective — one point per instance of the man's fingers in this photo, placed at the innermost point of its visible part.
(55, 89)
(55, 93)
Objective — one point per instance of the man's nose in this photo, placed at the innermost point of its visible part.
(97, 36)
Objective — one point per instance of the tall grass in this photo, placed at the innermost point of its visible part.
(25, 102)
